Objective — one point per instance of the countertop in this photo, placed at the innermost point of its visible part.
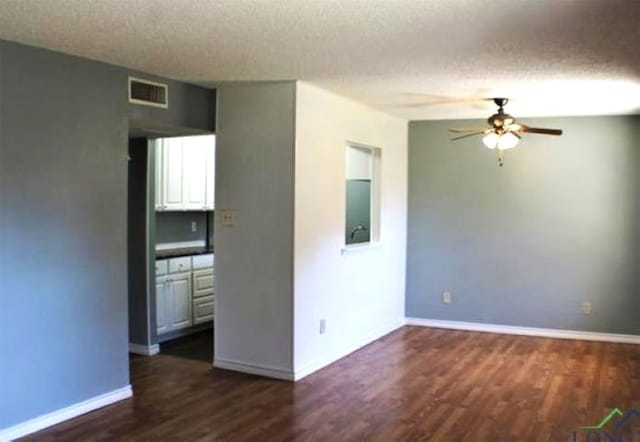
(186, 251)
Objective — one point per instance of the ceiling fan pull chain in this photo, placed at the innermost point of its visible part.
(500, 160)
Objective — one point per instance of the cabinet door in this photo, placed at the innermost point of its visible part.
(161, 305)
(211, 171)
(173, 192)
(195, 172)
(157, 146)
(202, 282)
(203, 309)
(180, 301)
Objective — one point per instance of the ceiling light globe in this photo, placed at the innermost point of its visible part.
(491, 140)
(507, 141)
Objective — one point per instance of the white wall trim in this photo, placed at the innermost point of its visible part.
(526, 331)
(63, 414)
(180, 245)
(360, 247)
(145, 350)
(343, 351)
(257, 369)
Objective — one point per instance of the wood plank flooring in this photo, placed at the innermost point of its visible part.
(416, 384)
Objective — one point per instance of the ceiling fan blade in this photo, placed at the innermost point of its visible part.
(467, 129)
(539, 130)
(468, 135)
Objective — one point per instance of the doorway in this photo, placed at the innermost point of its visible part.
(170, 243)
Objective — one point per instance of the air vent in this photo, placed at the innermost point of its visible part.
(148, 93)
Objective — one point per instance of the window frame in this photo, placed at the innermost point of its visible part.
(375, 164)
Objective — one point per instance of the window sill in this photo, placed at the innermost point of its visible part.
(358, 248)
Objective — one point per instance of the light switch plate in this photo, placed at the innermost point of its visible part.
(228, 217)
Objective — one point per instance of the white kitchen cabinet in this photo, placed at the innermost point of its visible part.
(211, 173)
(185, 173)
(204, 261)
(195, 177)
(173, 302)
(184, 297)
(161, 304)
(179, 265)
(173, 189)
(203, 295)
(203, 309)
(202, 282)
(180, 301)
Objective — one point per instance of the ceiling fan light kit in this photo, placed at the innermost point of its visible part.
(503, 132)
(502, 142)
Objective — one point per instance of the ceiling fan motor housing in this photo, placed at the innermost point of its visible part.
(500, 121)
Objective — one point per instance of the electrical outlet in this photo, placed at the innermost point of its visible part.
(323, 326)
(228, 217)
(587, 308)
(194, 226)
(446, 297)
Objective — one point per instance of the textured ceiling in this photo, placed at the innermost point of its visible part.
(411, 58)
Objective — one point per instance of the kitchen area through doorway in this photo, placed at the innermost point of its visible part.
(177, 313)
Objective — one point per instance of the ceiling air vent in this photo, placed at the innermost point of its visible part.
(148, 93)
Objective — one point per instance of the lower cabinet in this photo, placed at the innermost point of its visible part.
(173, 302)
(161, 304)
(203, 309)
(180, 300)
(203, 297)
(184, 297)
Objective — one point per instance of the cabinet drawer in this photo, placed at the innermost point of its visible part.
(203, 309)
(202, 261)
(182, 264)
(203, 281)
(161, 267)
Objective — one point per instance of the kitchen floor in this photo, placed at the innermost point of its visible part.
(198, 347)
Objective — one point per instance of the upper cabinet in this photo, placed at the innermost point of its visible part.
(184, 172)
(174, 174)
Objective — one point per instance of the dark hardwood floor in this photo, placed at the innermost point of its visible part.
(198, 346)
(416, 384)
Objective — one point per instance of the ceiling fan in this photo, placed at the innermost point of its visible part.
(503, 132)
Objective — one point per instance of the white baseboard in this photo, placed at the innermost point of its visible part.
(526, 331)
(288, 375)
(260, 370)
(55, 417)
(145, 350)
(343, 351)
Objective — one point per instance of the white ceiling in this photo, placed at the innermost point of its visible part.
(417, 59)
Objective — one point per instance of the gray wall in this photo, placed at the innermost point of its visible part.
(529, 243)
(64, 124)
(254, 176)
(63, 217)
(190, 107)
(176, 226)
(138, 256)
(151, 247)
